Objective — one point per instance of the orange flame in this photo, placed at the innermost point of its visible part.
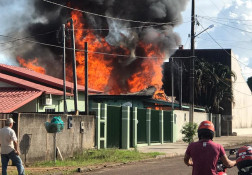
(151, 72)
(160, 95)
(99, 68)
(102, 57)
(32, 64)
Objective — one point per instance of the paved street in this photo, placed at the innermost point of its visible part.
(164, 166)
(172, 162)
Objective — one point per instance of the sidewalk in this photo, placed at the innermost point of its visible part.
(179, 148)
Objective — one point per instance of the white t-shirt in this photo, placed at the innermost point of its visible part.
(7, 136)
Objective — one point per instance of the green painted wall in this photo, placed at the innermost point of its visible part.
(57, 104)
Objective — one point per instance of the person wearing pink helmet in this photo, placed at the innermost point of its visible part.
(204, 154)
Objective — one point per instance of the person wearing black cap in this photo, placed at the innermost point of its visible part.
(9, 148)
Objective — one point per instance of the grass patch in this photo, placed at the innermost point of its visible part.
(94, 157)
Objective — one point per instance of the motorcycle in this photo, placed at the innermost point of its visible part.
(221, 168)
(244, 160)
(244, 168)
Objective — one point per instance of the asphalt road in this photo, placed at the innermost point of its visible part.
(166, 166)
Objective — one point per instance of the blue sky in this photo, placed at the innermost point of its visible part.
(232, 20)
(15, 15)
(233, 28)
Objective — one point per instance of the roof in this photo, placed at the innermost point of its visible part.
(28, 85)
(12, 98)
(41, 78)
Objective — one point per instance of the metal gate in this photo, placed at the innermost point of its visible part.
(168, 117)
(114, 127)
(154, 126)
(141, 126)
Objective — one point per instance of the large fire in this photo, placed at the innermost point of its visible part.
(100, 68)
(103, 60)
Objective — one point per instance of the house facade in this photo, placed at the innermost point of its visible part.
(24, 90)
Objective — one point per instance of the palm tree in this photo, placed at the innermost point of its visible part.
(212, 85)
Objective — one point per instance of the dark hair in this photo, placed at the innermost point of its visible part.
(205, 134)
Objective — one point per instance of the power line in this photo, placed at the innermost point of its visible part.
(228, 25)
(223, 48)
(28, 37)
(127, 28)
(80, 50)
(231, 56)
(228, 19)
(104, 16)
(228, 84)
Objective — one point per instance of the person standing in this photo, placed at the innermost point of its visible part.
(9, 148)
(204, 154)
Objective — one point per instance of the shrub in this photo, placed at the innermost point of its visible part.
(189, 130)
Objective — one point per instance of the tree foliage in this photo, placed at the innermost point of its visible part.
(189, 130)
(249, 82)
(213, 84)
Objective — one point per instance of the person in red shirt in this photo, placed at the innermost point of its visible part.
(204, 154)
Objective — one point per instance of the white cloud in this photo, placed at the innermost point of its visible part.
(234, 13)
(239, 2)
(249, 4)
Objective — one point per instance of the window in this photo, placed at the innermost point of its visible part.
(49, 110)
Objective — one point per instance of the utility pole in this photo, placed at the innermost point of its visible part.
(181, 84)
(74, 71)
(86, 79)
(172, 82)
(64, 66)
(191, 112)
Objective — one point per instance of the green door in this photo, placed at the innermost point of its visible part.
(167, 126)
(114, 128)
(141, 126)
(154, 126)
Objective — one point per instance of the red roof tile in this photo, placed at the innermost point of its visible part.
(28, 85)
(13, 98)
(42, 77)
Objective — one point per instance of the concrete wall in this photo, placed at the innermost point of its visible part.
(38, 145)
(242, 106)
(182, 117)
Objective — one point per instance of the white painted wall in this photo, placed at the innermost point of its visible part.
(242, 106)
(183, 118)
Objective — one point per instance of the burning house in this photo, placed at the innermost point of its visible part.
(127, 41)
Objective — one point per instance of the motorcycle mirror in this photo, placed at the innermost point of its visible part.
(232, 151)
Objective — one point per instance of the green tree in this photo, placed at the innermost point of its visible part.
(189, 130)
(249, 82)
(213, 84)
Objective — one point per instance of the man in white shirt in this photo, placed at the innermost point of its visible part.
(9, 148)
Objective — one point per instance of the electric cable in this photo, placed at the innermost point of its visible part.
(228, 84)
(32, 36)
(104, 16)
(126, 28)
(80, 50)
(228, 25)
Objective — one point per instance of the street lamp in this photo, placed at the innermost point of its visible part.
(209, 27)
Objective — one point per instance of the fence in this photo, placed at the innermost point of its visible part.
(130, 127)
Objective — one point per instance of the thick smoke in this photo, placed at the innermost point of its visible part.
(48, 17)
